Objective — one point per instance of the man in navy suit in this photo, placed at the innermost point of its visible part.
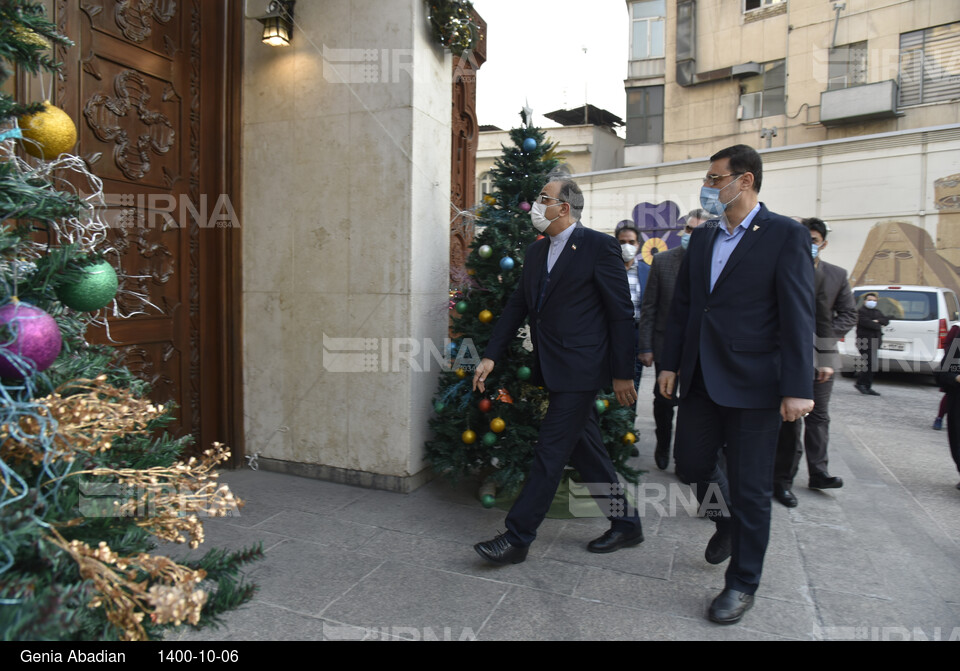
(574, 291)
(740, 344)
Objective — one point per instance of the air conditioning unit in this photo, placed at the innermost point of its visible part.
(856, 104)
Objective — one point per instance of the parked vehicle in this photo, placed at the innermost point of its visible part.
(920, 318)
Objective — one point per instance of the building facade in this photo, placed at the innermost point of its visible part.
(774, 73)
(286, 212)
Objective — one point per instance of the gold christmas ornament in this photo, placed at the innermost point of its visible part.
(31, 37)
(52, 132)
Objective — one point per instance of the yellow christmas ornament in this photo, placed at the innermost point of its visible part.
(486, 316)
(629, 439)
(497, 425)
(52, 132)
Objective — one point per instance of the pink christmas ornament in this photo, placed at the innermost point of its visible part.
(33, 335)
(525, 206)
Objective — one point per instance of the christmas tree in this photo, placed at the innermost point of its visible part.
(493, 435)
(89, 481)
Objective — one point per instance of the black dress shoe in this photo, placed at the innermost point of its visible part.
(870, 391)
(662, 457)
(613, 540)
(825, 481)
(860, 388)
(499, 551)
(784, 496)
(729, 606)
(719, 547)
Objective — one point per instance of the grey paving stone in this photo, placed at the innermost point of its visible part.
(319, 529)
(257, 621)
(289, 491)
(225, 536)
(531, 615)
(689, 566)
(667, 597)
(399, 595)
(652, 558)
(537, 571)
(306, 577)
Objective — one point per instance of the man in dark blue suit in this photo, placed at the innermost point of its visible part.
(574, 290)
(740, 344)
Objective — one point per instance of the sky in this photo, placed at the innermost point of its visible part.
(535, 52)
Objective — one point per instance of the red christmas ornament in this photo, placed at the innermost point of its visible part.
(485, 405)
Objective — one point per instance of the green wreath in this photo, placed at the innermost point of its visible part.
(453, 25)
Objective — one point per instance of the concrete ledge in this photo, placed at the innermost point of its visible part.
(345, 476)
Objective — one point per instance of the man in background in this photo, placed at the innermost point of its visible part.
(655, 308)
(836, 314)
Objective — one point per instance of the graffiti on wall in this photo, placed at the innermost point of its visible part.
(896, 252)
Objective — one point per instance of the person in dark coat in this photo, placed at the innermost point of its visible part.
(870, 323)
(949, 379)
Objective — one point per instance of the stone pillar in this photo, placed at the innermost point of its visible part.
(345, 241)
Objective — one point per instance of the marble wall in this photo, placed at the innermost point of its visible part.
(346, 153)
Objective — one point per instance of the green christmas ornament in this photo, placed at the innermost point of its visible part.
(439, 406)
(461, 307)
(524, 373)
(601, 406)
(489, 439)
(488, 501)
(94, 291)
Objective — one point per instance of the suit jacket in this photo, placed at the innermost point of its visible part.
(753, 333)
(870, 323)
(836, 312)
(655, 306)
(582, 333)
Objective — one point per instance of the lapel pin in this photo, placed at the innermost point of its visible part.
(756, 228)
(573, 247)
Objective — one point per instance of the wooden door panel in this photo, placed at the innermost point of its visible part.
(125, 83)
(157, 108)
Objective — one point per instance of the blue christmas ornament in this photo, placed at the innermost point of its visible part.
(506, 263)
(529, 144)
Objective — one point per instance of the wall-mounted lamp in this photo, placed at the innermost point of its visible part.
(278, 23)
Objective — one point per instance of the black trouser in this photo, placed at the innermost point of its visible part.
(569, 433)
(663, 414)
(816, 435)
(953, 426)
(868, 363)
(748, 438)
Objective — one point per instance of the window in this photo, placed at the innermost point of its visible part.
(848, 66)
(764, 95)
(647, 19)
(486, 185)
(929, 66)
(645, 115)
(758, 4)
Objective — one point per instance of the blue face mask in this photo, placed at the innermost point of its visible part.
(710, 199)
(815, 249)
(685, 240)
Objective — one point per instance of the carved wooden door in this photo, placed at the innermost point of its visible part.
(143, 84)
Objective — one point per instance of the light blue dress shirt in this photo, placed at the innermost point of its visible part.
(726, 242)
(557, 243)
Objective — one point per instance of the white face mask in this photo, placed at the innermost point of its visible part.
(628, 252)
(539, 218)
(871, 304)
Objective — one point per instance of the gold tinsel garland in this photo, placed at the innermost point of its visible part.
(84, 417)
(86, 420)
(170, 596)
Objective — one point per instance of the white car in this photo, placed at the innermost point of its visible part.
(920, 318)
